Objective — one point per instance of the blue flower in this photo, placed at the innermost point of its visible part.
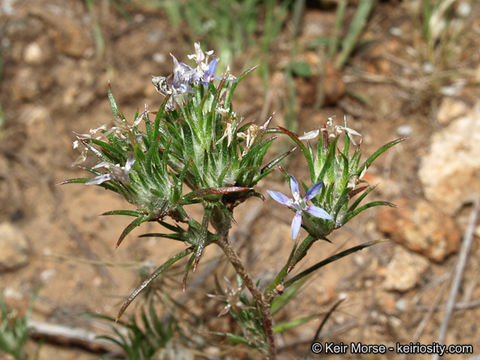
(299, 204)
(208, 75)
(183, 76)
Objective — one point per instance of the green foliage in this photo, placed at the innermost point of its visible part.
(442, 23)
(349, 42)
(195, 140)
(148, 336)
(339, 47)
(14, 330)
(341, 171)
(301, 68)
(232, 27)
(247, 315)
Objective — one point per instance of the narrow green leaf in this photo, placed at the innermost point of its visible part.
(351, 215)
(377, 153)
(287, 325)
(327, 166)
(216, 191)
(109, 149)
(131, 226)
(356, 27)
(154, 275)
(299, 143)
(267, 169)
(279, 302)
(302, 249)
(170, 227)
(174, 236)
(333, 41)
(360, 198)
(74, 181)
(113, 104)
(237, 339)
(302, 69)
(329, 260)
(283, 272)
(124, 212)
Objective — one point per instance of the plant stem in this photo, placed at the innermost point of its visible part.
(256, 293)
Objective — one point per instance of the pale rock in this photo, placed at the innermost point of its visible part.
(14, 248)
(47, 274)
(404, 130)
(404, 271)
(451, 109)
(12, 294)
(33, 54)
(450, 171)
(159, 57)
(401, 305)
(420, 227)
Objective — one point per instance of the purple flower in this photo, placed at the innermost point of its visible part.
(208, 75)
(183, 76)
(299, 204)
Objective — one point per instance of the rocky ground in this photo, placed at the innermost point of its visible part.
(52, 240)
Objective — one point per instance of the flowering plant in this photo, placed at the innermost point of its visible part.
(197, 141)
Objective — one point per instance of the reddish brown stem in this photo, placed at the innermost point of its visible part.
(262, 303)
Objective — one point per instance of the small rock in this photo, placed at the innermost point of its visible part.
(404, 271)
(38, 51)
(401, 305)
(421, 228)
(33, 54)
(404, 130)
(14, 248)
(450, 171)
(159, 57)
(12, 294)
(451, 109)
(47, 274)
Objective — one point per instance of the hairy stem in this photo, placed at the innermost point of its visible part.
(256, 293)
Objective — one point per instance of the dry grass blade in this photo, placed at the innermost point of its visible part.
(462, 260)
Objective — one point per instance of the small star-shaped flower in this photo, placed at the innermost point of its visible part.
(299, 204)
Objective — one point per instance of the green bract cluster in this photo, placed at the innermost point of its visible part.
(194, 139)
(340, 171)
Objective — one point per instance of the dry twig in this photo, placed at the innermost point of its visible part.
(462, 260)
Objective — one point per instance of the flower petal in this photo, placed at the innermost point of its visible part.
(279, 197)
(212, 68)
(296, 224)
(309, 135)
(313, 191)
(294, 187)
(318, 212)
(100, 179)
(129, 163)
